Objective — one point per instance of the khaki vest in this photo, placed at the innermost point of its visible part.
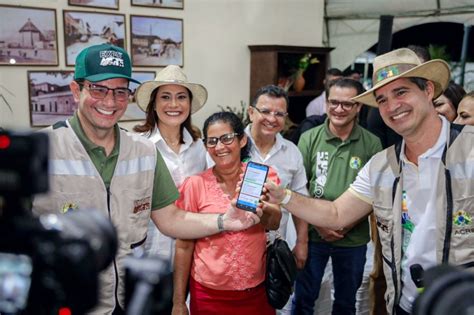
(455, 240)
(75, 183)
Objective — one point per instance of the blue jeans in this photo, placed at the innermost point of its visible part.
(348, 268)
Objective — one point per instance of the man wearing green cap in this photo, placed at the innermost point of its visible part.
(94, 164)
(421, 190)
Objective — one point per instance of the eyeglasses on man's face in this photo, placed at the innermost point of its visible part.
(267, 113)
(346, 105)
(226, 139)
(100, 92)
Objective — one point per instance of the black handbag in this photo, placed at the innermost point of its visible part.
(280, 273)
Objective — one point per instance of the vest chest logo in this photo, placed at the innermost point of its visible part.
(355, 162)
(69, 206)
(462, 223)
(142, 205)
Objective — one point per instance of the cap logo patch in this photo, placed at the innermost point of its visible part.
(111, 58)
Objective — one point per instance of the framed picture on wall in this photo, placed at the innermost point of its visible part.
(50, 98)
(156, 41)
(28, 36)
(106, 4)
(134, 112)
(83, 29)
(167, 4)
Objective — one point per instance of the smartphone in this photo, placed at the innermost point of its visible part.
(252, 185)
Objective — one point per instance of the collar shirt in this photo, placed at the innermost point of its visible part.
(287, 161)
(190, 160)
(419, 207)
(104, 164)
(419, 245)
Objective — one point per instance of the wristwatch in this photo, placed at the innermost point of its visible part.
(220, 222)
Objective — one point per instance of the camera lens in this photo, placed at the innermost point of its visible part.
(90, 226)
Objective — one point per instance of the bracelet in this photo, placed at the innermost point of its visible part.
(220, 222)
(287, 197)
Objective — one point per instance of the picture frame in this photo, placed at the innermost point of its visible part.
(134, 112)
(162, 4)
(104, 4)
(28, 36)
(83, 29)
(50, 98)
(156, 41)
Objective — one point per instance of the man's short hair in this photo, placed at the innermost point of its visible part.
(346, 83)
(421, 52)
(273, 91)
(334, 72)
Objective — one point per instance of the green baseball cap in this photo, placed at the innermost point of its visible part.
(103, 62)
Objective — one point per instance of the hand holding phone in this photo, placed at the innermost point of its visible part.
(252, 185)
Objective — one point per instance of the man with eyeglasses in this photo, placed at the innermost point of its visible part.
(97, 165)
(267, 113)
(333, 154)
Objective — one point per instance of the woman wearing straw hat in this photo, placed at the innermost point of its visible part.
(168, 102)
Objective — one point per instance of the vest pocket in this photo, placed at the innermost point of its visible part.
(138, 214)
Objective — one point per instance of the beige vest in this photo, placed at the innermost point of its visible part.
(75, 183)
(455, 240)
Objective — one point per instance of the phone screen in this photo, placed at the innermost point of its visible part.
(252, 185)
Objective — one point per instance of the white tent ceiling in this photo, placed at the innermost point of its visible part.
(352, 26)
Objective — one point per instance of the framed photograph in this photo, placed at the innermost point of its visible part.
(83, 29)
(106, 4)
(156, 41)
(50, 98)
(28, 36)
(134, 112)
(167, 4)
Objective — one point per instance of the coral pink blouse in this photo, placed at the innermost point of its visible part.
(228, 260)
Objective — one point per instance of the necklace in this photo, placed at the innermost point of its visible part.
(171, 143)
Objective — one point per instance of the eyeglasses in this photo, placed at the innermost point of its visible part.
(100, 92)
(267, 113)
(333, 104)
(226, 139)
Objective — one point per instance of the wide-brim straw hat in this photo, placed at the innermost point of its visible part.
(404, 63)
(171, 75)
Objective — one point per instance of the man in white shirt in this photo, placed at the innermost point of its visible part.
(421, 190)
(268, 112)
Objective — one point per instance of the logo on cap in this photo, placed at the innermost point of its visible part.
(111, 58)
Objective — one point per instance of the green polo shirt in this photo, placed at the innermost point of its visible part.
(164, 189)
(332, 165)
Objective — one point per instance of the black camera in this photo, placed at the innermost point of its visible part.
(447, 290)
(50, 263)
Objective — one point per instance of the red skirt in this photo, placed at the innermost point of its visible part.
(206, 301)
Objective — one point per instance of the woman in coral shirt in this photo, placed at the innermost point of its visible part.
(225, 272)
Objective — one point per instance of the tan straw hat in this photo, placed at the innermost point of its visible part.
(171, 75)
(404, 63)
